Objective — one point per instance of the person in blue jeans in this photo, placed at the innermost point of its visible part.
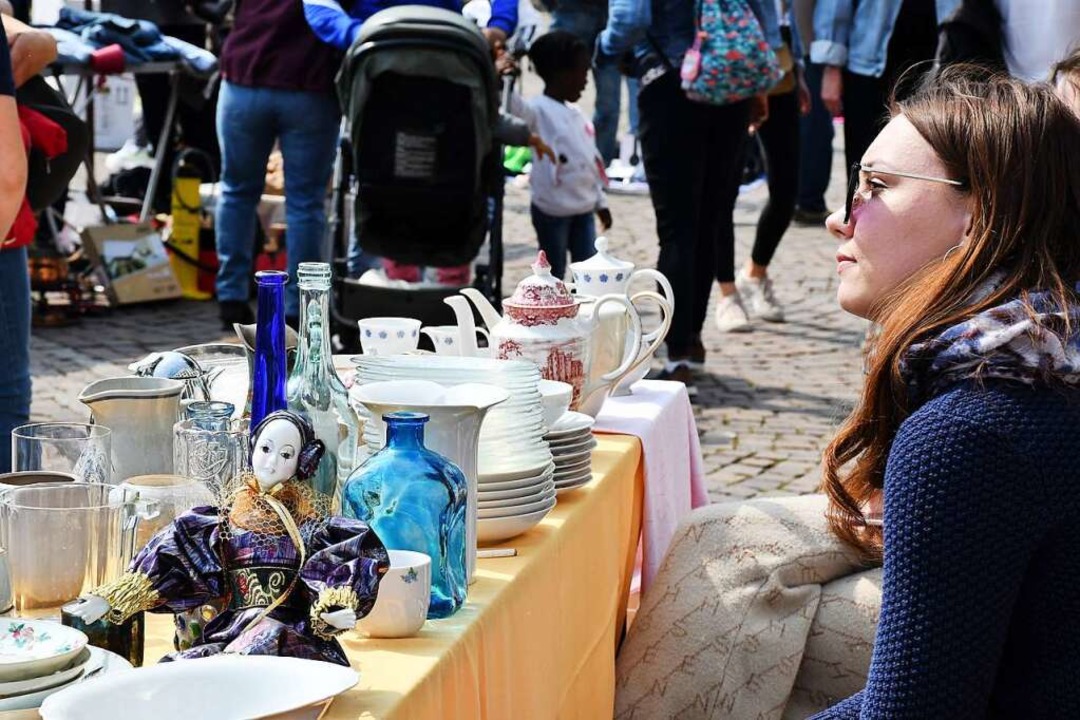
(278, 88)
(568, 188)
(14, 278)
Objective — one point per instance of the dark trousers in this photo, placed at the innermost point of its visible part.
(693, 156)
(865, 113)
(815, 146)
(780, 139)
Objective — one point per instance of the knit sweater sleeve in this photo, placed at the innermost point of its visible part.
(964, 513)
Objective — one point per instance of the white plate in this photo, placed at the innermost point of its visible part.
(60, 677)
(486, 495)
(497, 529)
(583, 475)
(571, 422)
(572, 458)
(574, 472)
(491, 473)
(223, 687)
(570, 488)
(102, 662)
(519, 510)
(569, 439)
(32, 648)
(542, 492)
(562, 450)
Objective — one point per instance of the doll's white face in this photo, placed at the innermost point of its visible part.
(274, 458)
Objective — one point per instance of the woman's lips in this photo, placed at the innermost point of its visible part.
(843, 262)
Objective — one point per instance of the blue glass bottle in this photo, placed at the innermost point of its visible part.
(268, 383)
(415, 500)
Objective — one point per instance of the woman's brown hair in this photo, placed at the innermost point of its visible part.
(1017, 147)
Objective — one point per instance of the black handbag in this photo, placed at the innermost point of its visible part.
(47, 179)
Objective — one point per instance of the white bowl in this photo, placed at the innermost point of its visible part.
(544, 503)
(492, 530)
(52, 680)
(101, 662)
(223, 687)
(486, 495)
(555, 398)
(32, 648)
(539, 492)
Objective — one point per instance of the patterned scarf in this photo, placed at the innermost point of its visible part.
(1018, 341)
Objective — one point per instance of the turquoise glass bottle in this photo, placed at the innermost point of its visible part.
(415, 499)
(314, 389)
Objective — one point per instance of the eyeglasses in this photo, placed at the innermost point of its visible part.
(853, 184)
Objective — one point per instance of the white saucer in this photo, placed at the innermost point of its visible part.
(574, 481)
(573, 458)
(570, 423)
(561, 450)
(571, 439)
(493, 482)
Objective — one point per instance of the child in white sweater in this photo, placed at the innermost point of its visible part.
(567, 192)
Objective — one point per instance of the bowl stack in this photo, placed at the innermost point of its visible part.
(571, 443)
(39, 658)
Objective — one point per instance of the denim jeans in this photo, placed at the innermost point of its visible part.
(815, 146)
(15, 329)
(586, 21)
(556, 235)
(249, 120)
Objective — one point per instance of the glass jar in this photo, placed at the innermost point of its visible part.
(212, 457)
(268, 383)
(314, 389)
(210, 415)
(415, 499)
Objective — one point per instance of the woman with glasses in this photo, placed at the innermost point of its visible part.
(955, 472)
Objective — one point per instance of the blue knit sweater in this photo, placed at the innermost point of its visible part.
(980, 610)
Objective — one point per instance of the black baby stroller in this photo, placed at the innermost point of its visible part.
(419, 178)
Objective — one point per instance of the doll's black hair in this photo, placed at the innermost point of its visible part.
(555, 52)
(311, 448)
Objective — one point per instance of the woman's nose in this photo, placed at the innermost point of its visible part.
(838, 228)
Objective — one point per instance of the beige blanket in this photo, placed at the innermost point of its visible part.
(757, 612)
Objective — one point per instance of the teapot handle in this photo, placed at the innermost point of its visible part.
(662, 281)
(630, 355)
(651, 341)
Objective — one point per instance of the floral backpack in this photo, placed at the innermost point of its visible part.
(730, 59)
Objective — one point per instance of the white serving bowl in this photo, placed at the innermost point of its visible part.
(555, 398)
(223, 687)
(32, 648)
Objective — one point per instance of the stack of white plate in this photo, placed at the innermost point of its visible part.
(39, 658)
(571, 442)
(512, 445)
(512, 503)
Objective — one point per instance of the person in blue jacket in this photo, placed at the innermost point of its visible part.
(338, 27)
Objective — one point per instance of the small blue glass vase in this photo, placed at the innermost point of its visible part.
(415, 499)
(268, 382)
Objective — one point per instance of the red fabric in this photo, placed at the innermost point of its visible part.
(41, 133)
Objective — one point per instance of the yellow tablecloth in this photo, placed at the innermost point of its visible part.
(536, 638)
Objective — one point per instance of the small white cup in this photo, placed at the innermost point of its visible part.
(389, 335)
(404, 594)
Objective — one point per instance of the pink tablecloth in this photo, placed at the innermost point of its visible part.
(659, 413)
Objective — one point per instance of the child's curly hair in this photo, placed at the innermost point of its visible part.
(555, 52)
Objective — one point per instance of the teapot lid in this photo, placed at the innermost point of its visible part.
(541, 289)
(602, 260)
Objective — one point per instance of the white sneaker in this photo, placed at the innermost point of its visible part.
(731, 315)
(759, 296)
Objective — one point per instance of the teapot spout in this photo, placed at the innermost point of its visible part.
(487, 311)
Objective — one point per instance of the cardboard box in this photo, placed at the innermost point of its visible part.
(135, 262)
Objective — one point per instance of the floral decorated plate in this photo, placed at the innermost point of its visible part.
(32, 648)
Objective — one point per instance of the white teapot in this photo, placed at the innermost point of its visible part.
(544, 323)
(604, 274)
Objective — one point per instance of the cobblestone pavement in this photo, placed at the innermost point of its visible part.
(768, 400)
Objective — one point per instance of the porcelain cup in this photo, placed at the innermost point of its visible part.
(389, 335)
(402, 603)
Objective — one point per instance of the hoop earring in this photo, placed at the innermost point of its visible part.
(950, 251)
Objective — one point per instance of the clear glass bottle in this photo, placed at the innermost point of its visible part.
(415, 499)
(314, 388)
(268, 381)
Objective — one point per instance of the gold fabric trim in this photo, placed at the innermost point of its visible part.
(339, 598)
(132, 592)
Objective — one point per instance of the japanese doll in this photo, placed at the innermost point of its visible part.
(289, 575)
